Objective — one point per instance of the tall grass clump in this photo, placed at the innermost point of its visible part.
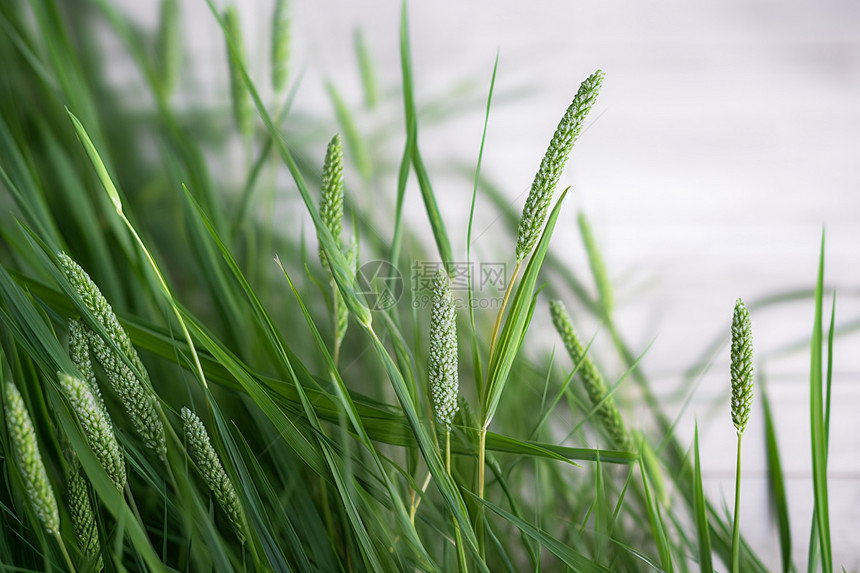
(345, 430)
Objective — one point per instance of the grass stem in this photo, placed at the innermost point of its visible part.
(448, 451)
(64, 551)
(502, 309)
(736, 530)
(198, 366)
(335, 314)
(482, 459)
(416, 499)
(462, 567)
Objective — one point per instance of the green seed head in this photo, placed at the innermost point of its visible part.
(741, 366)
(209, 464)
(139, 403)
(280, 45)
(83, 517)
(132, 386)
(444, 384)
(546, 179)
(97, 427)
(243, 112)
(331, 204)
(98, 305)
(79, 350)
(22, 436)
(592, 381)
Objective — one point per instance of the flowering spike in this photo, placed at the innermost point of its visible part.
(207, 460)
(593, 382)
(280, 45)
(83, 517)
(79, 350)
(444, 384)
(546, 179)
(242, 109)
(331, 204)
(25, 446)
(741, 366)
(97, 427)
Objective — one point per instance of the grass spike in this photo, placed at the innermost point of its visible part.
(101, 309)
(97, 427)
(741, 367)
(331, 204)
(25, 446)
(83, 517)
(444, 384)
(243, 113)
(546, 179)
(592, 380)
(79, 351)
(280, 45)
(207, 461)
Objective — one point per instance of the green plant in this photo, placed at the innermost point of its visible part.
(742, 395)
(378, 447)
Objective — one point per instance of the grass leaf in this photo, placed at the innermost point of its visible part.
(818, 425)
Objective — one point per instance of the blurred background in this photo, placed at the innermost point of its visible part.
(727, 136)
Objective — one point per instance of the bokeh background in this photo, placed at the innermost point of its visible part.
(726, 138)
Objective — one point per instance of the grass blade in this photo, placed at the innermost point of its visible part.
(568, 555)
(443, 244)
(476, 357)
(776, 481)
(818, 425)
(658, 528)
(706, 564)
(516, 322)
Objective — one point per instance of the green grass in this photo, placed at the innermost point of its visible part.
(331, 446)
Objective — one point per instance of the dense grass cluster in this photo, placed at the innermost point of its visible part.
(175, 400)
